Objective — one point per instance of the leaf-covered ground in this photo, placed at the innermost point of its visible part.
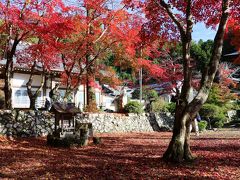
(122, 156)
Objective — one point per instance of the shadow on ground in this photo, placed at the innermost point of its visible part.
(120, 156)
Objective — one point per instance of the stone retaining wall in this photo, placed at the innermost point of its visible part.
(26, 123)
(128, 123)
(40, 123)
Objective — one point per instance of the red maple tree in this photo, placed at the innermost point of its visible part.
(42, 48)
(233, 28)
(175, 20)
(18, 20)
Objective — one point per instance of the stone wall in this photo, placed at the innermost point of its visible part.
(26, 123)
(128, 123)
(40, 123)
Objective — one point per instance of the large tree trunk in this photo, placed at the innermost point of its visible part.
(11, 49)
(8, 86)
(179, 146)
(91, 105)
(90, 95)
(175, 151)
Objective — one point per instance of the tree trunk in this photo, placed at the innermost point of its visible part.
(91, 99)
(90, 94)
(33, 96)
(8, 86)
(179, 146)
(32, 102)
(91, 103)
(187, 151)
(9, 73)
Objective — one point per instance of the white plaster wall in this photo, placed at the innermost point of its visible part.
(107, 102)
(20, 80)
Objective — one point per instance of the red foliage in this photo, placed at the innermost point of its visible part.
(122, 156)
(206, 11)
(33, 27)
(53, 35)
(100, 30)
(225, 73)
(233, 28)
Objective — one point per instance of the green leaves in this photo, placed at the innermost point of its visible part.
(201, 52)
(133, 107)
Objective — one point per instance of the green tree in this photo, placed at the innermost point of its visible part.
(201, 52)
(217, 105)
(147, 94)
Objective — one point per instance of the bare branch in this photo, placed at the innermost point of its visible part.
(102, 34)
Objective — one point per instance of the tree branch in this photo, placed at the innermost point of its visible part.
(167, 7)
(208, 76)
(102, 34)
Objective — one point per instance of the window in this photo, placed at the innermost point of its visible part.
(62, 93)
(20, 98)
(40, 102)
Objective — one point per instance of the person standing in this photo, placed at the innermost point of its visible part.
(194, 124)
(47, 104)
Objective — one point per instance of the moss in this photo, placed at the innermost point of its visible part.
(97, 140)
(66, 142)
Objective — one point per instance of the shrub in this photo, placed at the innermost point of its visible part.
(133, 107)
(171, 107)
(218, 124)
(162, 106)
(236, 105)
(159, 106)
(219, 120)
(202, 125)
(215, 113)
(220, 95)
(147, 94)
(218, 104)
(66, 142)
(135, 94)
(150, 94)
(209, 110)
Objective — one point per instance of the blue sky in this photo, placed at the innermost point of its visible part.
(201, 32)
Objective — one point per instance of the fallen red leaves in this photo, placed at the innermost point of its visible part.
(122, 156)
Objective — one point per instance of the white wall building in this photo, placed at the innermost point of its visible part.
(20, 97)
